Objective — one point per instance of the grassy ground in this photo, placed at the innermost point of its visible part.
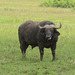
(12, 14)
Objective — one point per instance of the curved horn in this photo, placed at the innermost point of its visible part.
(58, 27)
(50, 26)
(53, 26)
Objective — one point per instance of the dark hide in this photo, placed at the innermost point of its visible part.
(30, 34)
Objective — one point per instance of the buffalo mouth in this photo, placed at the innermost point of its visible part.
(48, 38)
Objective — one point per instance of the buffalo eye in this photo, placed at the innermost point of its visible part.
(42, 30)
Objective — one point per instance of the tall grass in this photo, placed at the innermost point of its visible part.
(59, 3)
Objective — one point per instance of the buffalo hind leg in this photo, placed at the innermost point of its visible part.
(23, 47)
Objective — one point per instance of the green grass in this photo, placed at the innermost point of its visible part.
(12, 14)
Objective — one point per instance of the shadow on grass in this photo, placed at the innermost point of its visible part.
(28, 59)
(36, 60)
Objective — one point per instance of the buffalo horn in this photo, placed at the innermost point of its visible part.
(58, 27)
(50, 26)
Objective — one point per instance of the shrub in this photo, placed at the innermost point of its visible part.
(59, 3)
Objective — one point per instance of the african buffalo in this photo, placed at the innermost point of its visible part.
(42, 34)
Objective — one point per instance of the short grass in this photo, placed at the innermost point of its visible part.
(15, 12)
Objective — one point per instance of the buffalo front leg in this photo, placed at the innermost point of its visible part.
(53, 51)
(41, 53)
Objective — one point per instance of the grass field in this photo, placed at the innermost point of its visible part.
(15, 12)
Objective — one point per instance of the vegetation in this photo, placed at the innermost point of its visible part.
(15, 12)
(59, 3)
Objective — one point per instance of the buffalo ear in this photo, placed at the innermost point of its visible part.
(56, 32)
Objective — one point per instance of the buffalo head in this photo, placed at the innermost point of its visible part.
(49, 30)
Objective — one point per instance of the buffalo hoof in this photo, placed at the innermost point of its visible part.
(24, 55)
(53, 59)
(41, 59)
